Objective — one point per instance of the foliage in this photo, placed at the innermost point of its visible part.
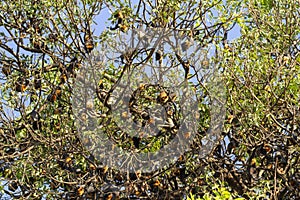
(43, 46)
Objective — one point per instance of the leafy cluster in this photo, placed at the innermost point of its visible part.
(43, 46)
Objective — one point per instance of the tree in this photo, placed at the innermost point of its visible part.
(45, 45)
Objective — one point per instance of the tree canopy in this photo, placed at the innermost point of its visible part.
(45, 47)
